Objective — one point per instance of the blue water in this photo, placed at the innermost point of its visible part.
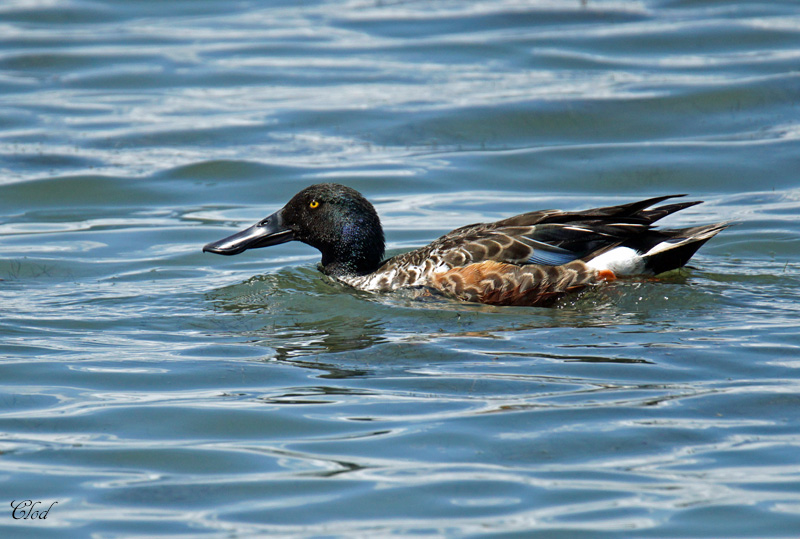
(153, 390)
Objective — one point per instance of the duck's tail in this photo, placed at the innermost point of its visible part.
(655, 252)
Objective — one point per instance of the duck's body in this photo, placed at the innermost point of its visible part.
(529, 259)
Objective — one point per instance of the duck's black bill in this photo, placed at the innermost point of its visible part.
(269, 231)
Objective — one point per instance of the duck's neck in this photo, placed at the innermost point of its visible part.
(359, 250)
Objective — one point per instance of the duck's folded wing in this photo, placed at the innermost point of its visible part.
(552, 237)
(547, 244)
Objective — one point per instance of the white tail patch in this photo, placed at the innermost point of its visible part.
(620, 260)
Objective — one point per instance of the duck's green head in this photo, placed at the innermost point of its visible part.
(335, 219)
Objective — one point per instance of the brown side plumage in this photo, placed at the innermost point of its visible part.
(496, 283)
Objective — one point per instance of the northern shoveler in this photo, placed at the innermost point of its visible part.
(530, 259)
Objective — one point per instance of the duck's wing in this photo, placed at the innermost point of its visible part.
(550, 237)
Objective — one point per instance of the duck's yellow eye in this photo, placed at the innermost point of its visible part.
(313, 204)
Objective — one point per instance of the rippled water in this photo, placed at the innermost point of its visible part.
(153, 390)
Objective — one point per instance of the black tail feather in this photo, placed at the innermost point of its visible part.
(685, 243)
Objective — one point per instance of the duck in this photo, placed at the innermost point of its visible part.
(531, 259)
